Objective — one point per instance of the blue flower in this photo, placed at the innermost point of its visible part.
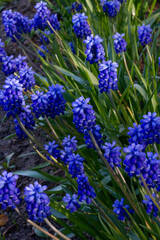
(2, 50)
(19, 61)
(151, 207)
(108, 76)
(144, 34)
(119, 43)
(52, 149)
(37, 202)
(27, 120)
(55, 101)
(159, 61)
(151, 173)
(15, 24)
(9, 193)
(41, 16)
(119, 209)
(76, 7)
(80, 25)
(83, 114)
(13, 101)
(8, 65)
(26, 77)
(85, 191)
(94, 49)
(54, 22)
(150, 125)
(75, 164)
(72, 203)
(135, 159)
(65, 154)
(44, 38)
(112, 154)
(70, 143)
(111, 7)
(9, 24)
(97, 135)
(39, 102)
(42, 51)
(136, 134)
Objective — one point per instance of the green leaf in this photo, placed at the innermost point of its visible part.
(39, 233)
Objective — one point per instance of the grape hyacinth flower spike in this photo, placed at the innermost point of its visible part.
(37, 202)
(80, 25)
(135, 160)
(119, 43)
(2, 51)
(72, 202)
(111, 7)
(144, 34)
(119, 209)
(108, 76)
(83, 114)
(9, 193)
(151, 207)
(94, 49)
(13, 101)
(112, 154)
(52, 149)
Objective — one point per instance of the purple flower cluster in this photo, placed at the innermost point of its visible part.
(80, 25)
(37, 202)
(50, 104)
(15, 24)
(2, 51)
(119, 209)
(76, 7)
(9, 193)
(72, 202)
(151, 173)
(83, 114)
(85, 191)
(112, 154)
(135, 160)
(52, 149)
(27, 120)
(26, 77)
(43, 16)
(147, 132)
(69, 146)
(108, 76)
(111, 7)
(11, 65)
(97, 135)
(144, 34)
(119, 43)
(13, 100)
(151, 207)
(94, 49)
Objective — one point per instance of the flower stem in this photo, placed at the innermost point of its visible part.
(37, 226)
(55, 229)
(54, 133)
